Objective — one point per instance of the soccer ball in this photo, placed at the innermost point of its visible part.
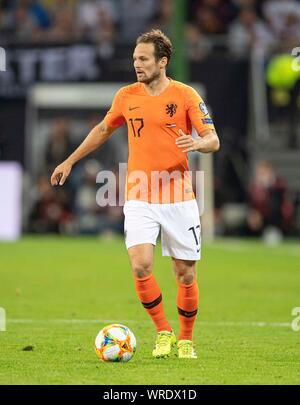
(115, 343)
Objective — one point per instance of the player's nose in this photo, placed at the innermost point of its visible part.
(135, 64)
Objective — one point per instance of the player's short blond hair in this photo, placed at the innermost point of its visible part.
(162, 44)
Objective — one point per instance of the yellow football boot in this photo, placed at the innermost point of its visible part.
(186, 349)
(165, 341)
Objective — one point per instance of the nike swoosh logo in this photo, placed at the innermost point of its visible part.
(133, 108)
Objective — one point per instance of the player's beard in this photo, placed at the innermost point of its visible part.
(149, 80)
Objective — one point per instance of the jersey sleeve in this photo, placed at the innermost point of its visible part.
(114, 117)
(198, 112)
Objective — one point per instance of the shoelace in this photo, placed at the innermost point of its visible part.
(162, 339)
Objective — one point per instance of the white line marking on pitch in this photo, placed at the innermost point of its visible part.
(283, 251)
(108, 321)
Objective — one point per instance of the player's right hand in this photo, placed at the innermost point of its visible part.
(61, 173)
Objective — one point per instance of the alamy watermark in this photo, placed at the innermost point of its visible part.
(2, 60)
(296, 60)
(154, 187)
(296, 322)
(2, 320)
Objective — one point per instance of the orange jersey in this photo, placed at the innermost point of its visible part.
(153, 123)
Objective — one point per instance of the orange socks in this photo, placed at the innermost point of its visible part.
(187, 305)
(150, 296)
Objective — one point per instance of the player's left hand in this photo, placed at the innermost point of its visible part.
(187, 142)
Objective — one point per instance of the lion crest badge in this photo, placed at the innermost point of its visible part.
(171, 109)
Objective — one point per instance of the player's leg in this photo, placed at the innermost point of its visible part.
(181, 240)
(141, 230)
(149, 293)
(187, 304)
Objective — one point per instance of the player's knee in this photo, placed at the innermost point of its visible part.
(185, 271)
(186, 278)
(185, 274)
(141, 270)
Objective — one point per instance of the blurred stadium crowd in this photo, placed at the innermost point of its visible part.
(73, 209)
(241, 24)
(245, 22)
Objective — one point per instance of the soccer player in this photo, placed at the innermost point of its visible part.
(159, 113)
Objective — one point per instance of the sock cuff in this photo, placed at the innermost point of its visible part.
(139, 279)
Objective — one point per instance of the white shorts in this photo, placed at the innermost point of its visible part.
(179, 224)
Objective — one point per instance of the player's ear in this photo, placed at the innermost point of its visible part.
(163, 62)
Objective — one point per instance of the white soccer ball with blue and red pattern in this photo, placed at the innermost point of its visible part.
(115, 343)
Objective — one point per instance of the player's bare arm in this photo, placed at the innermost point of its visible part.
(97, 136)
(207, 142)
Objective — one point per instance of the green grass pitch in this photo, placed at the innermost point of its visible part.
(59, 292)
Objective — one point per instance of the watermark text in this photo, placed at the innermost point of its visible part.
(155, 187)
(296, 60)
(2, 60)
(296, 322)
(2, 320)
